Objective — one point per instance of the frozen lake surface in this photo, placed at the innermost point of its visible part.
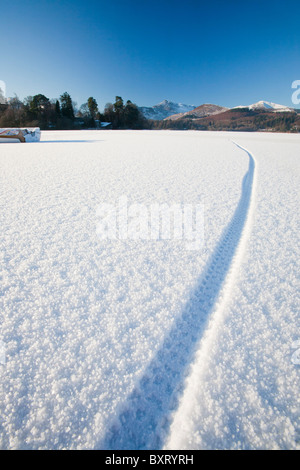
(145, 343)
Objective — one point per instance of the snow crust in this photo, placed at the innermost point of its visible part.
(89, 325)
(243, 389)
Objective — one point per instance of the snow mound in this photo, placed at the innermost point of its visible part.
(20, 134)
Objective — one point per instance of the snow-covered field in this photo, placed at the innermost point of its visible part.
(136, 344)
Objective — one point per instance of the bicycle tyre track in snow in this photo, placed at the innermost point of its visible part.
(146, 416)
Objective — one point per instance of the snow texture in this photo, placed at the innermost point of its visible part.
(134, 344)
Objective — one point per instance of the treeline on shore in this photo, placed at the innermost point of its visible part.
(40, 111)
(237, 120)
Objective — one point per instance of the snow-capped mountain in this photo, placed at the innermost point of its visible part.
(173, 111)
(267, 106)
(199, 112)
(164, 109)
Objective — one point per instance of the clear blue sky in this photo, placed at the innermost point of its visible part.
(226, 52)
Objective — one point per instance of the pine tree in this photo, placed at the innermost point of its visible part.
(118, 113)
(131, 115)
(57, 108)
(67, 106)
(118, 105)
(93, 106)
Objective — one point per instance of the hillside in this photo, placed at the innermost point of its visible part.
(237, 119)
(199, 112)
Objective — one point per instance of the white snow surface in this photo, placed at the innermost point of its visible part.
(139, 344)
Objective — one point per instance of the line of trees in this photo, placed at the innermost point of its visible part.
(62, 113)
(124, 116)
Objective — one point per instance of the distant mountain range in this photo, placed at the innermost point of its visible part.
(260, 116)
(168, 110)
(165, 109)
